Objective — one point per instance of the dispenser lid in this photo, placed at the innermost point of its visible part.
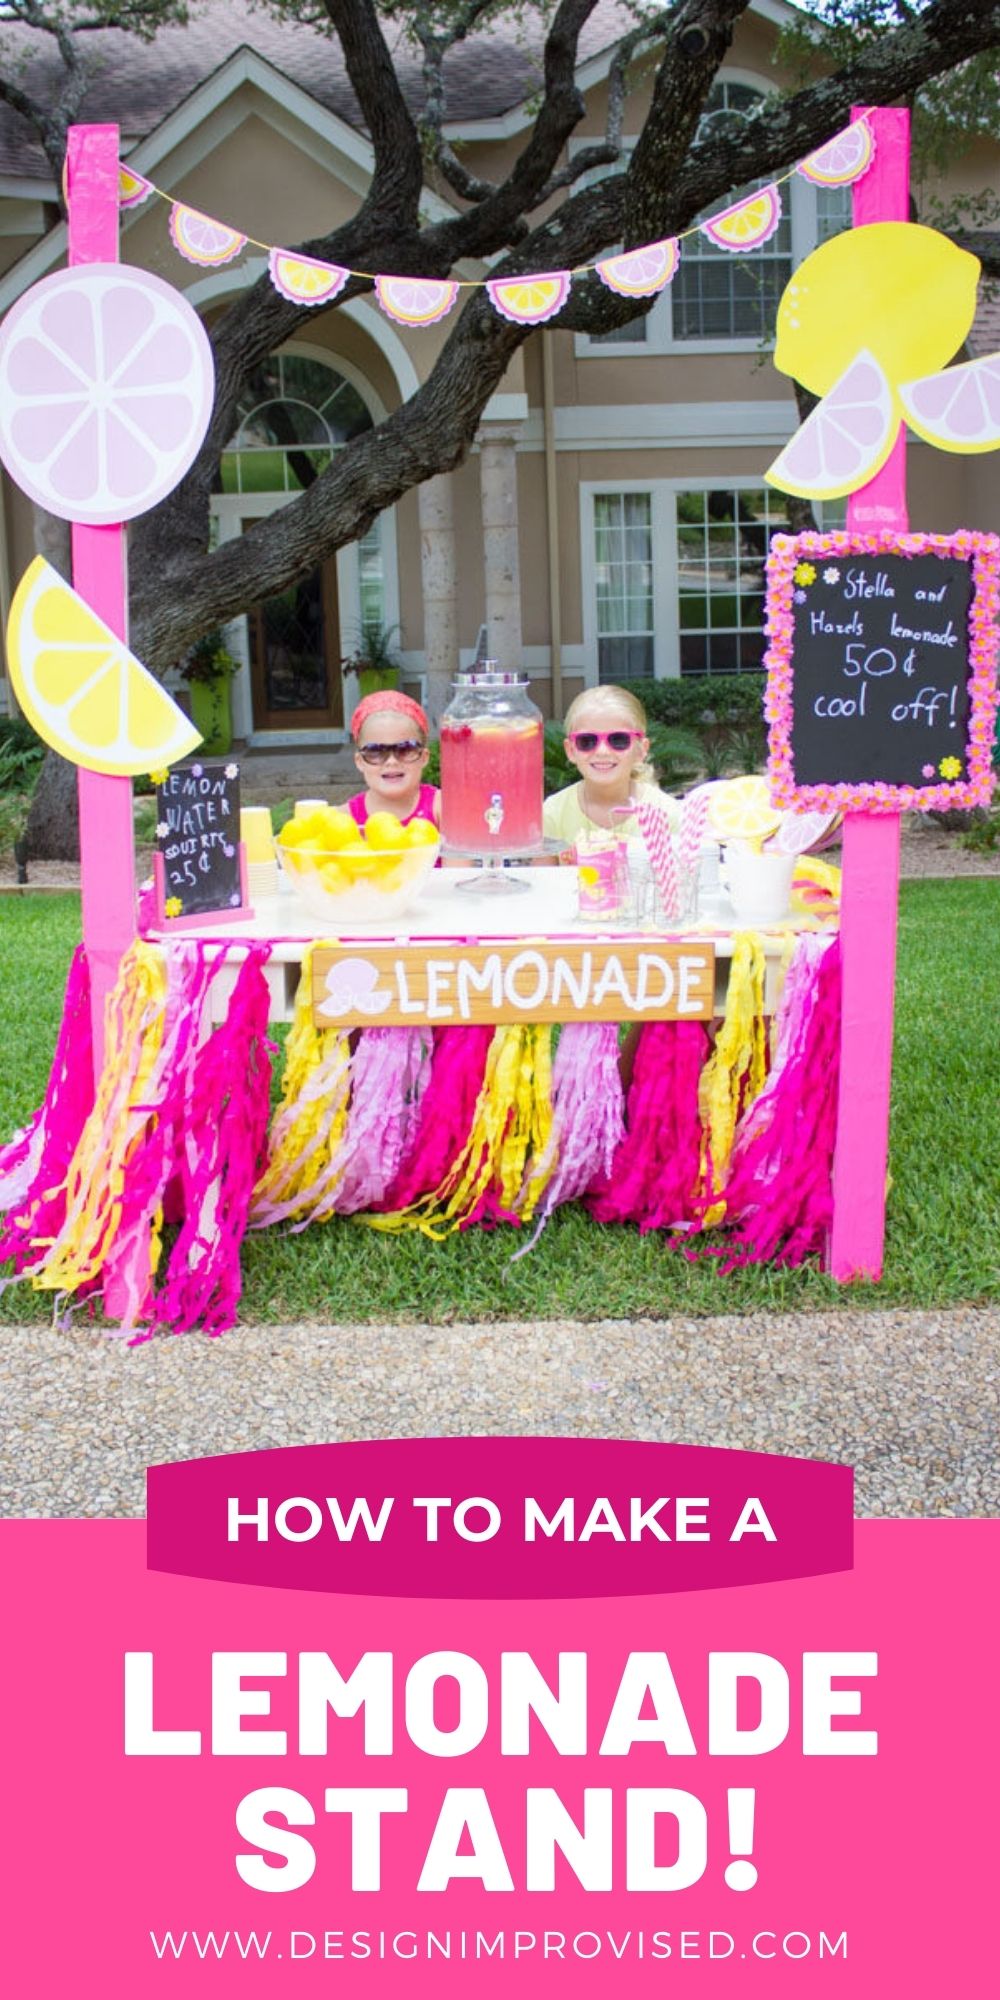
(486, 673)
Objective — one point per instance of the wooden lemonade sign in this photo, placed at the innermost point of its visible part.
(882, 669)
(534, 979)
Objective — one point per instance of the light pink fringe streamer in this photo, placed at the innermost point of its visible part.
(588, 1122)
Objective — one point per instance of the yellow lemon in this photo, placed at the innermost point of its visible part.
(335, 828)
(383, 830)
(422, 833)
(333, 877)
(80, 687)
(905, 293)
(357, 859)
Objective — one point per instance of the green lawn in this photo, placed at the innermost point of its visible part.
(944, 1212)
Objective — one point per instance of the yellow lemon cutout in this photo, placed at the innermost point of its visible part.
(87, 696)
(905, 293)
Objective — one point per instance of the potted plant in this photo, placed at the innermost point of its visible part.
(374, 660)
(208, 671)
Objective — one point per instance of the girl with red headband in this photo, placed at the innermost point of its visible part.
(390, 733)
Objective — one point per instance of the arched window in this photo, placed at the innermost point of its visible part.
(293, 415)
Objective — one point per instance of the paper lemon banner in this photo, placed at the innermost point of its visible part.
(528, 300)
(106, 386)
(80, 687)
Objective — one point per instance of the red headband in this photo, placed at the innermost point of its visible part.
(400, 704)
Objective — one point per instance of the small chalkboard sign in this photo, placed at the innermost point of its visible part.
(882, 664)
(199, 864)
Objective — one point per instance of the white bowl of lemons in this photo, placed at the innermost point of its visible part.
(354, 874)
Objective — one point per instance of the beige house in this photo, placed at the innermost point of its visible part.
(611, 521)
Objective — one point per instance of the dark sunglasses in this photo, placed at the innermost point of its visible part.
(380, 753)
(616, 739)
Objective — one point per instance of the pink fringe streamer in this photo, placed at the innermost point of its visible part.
(779, 1194)
(220, 1157)
(654, 1173)
(447, 1109)
(34, 1162)
(390, 1070)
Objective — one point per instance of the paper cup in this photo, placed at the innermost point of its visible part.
(759, 885)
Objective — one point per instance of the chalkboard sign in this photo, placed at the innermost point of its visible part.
(882, 670)
(199, 863)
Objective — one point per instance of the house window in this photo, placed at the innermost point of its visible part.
(717, 295)
(722, 541)
(371, 577)
(293, 415)
(623, 560)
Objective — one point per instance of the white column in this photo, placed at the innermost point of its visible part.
(438, 577)
(498, 484)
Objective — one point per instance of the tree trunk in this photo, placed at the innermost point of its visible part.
(53, 829)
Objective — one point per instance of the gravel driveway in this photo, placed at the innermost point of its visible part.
(909, 1398)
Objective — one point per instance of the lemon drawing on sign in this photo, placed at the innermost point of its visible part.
(82, 690)
(958, 409)
(896, 296)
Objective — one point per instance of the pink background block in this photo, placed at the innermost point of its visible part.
(898, 1850)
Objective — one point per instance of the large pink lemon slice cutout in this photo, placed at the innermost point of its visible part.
(124, 363)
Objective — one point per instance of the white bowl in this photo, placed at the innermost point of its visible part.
(372, 888)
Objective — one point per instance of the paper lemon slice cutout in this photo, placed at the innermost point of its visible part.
(106, 384)
(530, 301)
(201, 239)
(305, 280)
(637, 274)
(905, 293)
(416, 301)
(747, 224)
(741, 809)
(843, 159)
(958, 409)
(845, 441)
(133, 189)
(80, 687)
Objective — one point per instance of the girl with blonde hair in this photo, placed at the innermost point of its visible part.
(606, 738)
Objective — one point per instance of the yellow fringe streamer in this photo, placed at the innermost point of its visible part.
(95, 1178)
(734, 1073)
(513, 1109)
(309, 1126)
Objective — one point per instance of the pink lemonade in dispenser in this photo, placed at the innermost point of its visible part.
(491, 765)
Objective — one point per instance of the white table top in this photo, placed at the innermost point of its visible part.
(546, 908)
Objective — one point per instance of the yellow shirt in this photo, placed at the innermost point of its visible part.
(563, 816)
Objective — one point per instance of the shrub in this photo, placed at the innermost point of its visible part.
(22, 754)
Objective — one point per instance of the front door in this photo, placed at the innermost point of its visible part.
(295, 655)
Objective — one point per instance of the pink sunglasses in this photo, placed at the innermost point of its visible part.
(615, 739)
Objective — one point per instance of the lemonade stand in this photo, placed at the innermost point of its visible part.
(455, 1055)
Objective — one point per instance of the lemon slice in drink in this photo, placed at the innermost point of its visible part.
(80, 687)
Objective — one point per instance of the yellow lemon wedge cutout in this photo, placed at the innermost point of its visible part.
(87, 696)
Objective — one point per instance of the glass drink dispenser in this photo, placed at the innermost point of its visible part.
(491, 765)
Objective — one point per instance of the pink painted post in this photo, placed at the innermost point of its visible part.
(870, 888)
(107, 858)
(107, 848)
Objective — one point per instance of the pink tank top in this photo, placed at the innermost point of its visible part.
(424, 808)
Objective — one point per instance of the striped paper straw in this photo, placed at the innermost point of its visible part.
(694, 813)
(655, 830)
